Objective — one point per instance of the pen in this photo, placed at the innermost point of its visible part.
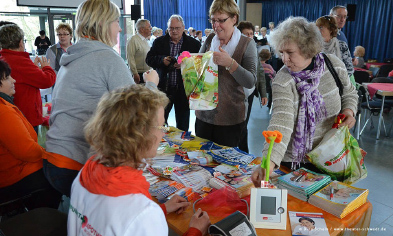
(331, 192)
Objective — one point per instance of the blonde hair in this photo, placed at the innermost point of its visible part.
(330, 23)
(64, 26)
(93, 20)
(120, 129)
(359, 51)
(298, 30)
(225, 6)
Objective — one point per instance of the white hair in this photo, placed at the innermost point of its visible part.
(140, 24)
(177, 17)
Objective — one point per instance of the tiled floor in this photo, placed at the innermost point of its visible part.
(379, 163)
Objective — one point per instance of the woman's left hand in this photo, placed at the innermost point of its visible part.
(176, 203)
(349, 119)
(222, 58)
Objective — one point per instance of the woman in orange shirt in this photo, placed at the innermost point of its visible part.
(20, 154)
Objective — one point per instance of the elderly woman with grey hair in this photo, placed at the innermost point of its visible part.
(305, 94)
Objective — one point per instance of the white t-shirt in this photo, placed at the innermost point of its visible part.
(95, 214)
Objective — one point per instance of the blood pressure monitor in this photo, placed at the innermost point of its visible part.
(268, 208)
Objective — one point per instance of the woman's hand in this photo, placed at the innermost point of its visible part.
(41, 62)
(200, 220)
(264, 101)
(151, 76)
(176, 204)
(259, 174)
(349, 118)
(222, 58)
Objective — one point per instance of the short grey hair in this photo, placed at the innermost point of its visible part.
(177, 17)
(10, 36)
(271, 23)
(334, 9)
(300, 31)
(140, 24)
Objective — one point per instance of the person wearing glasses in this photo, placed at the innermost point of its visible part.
(332, 45)
(54, 52)
(306, 96)
(110, 196)
(341, 15)
(30, 76)
(89, 69)
(163, 58)
(236, 57)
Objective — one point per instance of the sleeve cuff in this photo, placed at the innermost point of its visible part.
(150, 85)
(193, 232)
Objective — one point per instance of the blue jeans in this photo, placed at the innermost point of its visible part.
(60, 178)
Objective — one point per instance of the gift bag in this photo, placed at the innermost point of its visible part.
(340, 156)
(200, 79)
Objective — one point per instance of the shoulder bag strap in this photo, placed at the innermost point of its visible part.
(334, 73)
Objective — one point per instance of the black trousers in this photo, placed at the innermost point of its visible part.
(141, 81)
(228, 135)
(177, 98)
(43, 194)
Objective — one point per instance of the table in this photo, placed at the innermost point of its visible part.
(359, 219)
(383, 89)
(376, 64)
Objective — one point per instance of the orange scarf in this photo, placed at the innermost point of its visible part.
(113, 181)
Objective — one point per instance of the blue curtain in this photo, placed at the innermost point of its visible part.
(371, 29)
(159, 11)
(194, 12)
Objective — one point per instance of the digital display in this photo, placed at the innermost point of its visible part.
(268, 205)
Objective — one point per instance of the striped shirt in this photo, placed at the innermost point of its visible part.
(175, 51)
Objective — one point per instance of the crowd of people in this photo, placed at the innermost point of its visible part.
(108, 118)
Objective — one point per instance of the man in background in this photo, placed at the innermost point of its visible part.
(137, 48)
(340, 13)
(163, 58)
(271, 27)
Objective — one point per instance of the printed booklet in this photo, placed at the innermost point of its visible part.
(308, 223)
(339, 199)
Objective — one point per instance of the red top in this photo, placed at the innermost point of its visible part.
(390, 74)
(374, 87)
(20, 154)
(29, 80)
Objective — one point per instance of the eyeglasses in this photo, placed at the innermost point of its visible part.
(174, 28)
(219, 21)
(62, 35)
(341, 17)
(163, 128)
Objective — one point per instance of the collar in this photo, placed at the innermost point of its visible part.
(180, 42)
(7, 98)
(142, 37)
(113, 181)
(18, 53)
